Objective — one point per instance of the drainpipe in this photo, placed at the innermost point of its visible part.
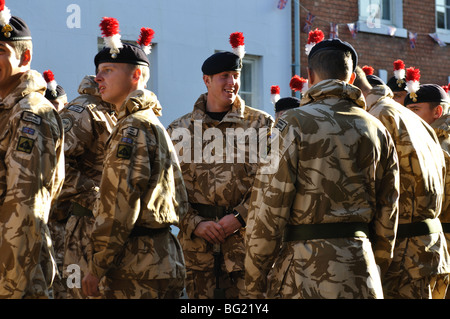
(296, 62)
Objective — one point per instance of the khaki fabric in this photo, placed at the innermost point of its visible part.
(337, 165)
(31, 177)
(141, 185)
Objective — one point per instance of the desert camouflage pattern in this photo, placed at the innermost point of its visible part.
(141, 185)
(422, 171)
(31, 177)
(442, 129)
(337, 164)
(88, 122)
(218, 182)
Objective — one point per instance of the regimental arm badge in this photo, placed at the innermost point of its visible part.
(25, 144)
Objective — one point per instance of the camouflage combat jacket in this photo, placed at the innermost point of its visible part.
(88, 122)
(141, 186)
(337, 164)
(218, 172)
(442, 129)
(422, 171)
(31, 177)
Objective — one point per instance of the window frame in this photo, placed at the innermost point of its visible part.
(255, 79)
(443, 34)
(396, 9)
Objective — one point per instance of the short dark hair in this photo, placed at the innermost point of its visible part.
(332, 64)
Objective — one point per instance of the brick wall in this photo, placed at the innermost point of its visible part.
(380, 51)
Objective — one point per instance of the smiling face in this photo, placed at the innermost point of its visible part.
(116, 81)
(11, 68)
(222, 90)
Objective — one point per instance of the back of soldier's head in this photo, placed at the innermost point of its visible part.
(332, 64)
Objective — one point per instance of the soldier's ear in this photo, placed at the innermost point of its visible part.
(206, 80)
(352, 78)
(25, 59)
(438, 110)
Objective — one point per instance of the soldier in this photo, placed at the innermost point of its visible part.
(327, 216)
(142, 192)
(420, 257)
(88, 122)
(433, 106)
(219, 183)
(31, 170)
(55, 93)
(397, 82)
(57, 222)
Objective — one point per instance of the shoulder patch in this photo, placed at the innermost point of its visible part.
(76, 108)
(31, 117)
(124, 151)
(25, 144)
(28, 130)
(281, 125)
(127, 140)
(67, 123)
(130, 130)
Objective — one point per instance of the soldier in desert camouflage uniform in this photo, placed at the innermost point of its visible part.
(322, 222)
(218, 187)
(433, 105)
(88, 122)
(421, 260)
(142, 192)
(31, 169)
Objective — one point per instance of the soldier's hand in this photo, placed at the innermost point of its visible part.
(211, 231)
(230, 224)
(89, 285)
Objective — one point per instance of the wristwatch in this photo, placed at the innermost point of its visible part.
(240, 219)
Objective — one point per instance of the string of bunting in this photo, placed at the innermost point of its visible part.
(353, 27)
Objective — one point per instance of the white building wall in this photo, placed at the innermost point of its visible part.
(65, 36)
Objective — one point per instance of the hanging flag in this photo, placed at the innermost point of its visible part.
(282, 4)
(353, 28)
(309, 21)
(436, 38)
(412, 39)
(392, 30)
(334, 33)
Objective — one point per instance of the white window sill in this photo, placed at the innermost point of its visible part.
(382, 29)
(444, 35)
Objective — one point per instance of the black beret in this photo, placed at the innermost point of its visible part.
(374, 80)
(395, 86)
(335, 44)
(221, 62)
(59, 92)
(287, 103)
(16, 30)
(429, 93)
(130, 53)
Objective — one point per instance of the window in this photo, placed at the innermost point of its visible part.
(378, 16)
(249, 90)
(375, 10)
(443, 14)
(152, 83)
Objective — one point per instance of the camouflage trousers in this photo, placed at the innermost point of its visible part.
(403, 287)
(112, 288)
(78, 250)
(201, 284)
